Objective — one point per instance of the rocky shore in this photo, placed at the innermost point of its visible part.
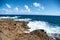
(14, 30)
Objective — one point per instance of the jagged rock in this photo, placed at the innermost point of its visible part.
(41, 34)
(14, 30)
(55, 36)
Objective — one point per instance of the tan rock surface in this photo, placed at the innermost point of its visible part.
(14, 30)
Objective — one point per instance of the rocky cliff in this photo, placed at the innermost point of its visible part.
(14, 30)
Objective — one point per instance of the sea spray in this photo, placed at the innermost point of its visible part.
(43, 25)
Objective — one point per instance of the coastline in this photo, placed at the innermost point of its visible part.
(14, 30)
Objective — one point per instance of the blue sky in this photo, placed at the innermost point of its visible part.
(30, 7)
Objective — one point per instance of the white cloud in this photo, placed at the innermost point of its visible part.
(23, 11)
(8, 5)
(27, 8)
(16, 9)
(11, 11)
(38, 5)
(7, 11)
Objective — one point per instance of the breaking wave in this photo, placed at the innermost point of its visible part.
(25, 19)
(9, 17)
(34, 25)
(16, 18)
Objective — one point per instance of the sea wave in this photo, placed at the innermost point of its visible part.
(25, 19)
(8, 17)
(16, 18)
(34, 25)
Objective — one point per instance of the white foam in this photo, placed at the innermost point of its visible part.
(9, 17)
(26, 19)
(43, 25)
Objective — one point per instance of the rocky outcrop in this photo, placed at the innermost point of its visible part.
(41, 34)
(14, 30)
(9, 29)
(55, 36)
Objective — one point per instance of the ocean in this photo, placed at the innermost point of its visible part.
(51, 24)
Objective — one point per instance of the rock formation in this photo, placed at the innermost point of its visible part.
(14, 30)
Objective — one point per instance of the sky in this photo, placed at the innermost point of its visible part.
(30, 7)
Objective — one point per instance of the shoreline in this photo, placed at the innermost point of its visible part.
(11, 30)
